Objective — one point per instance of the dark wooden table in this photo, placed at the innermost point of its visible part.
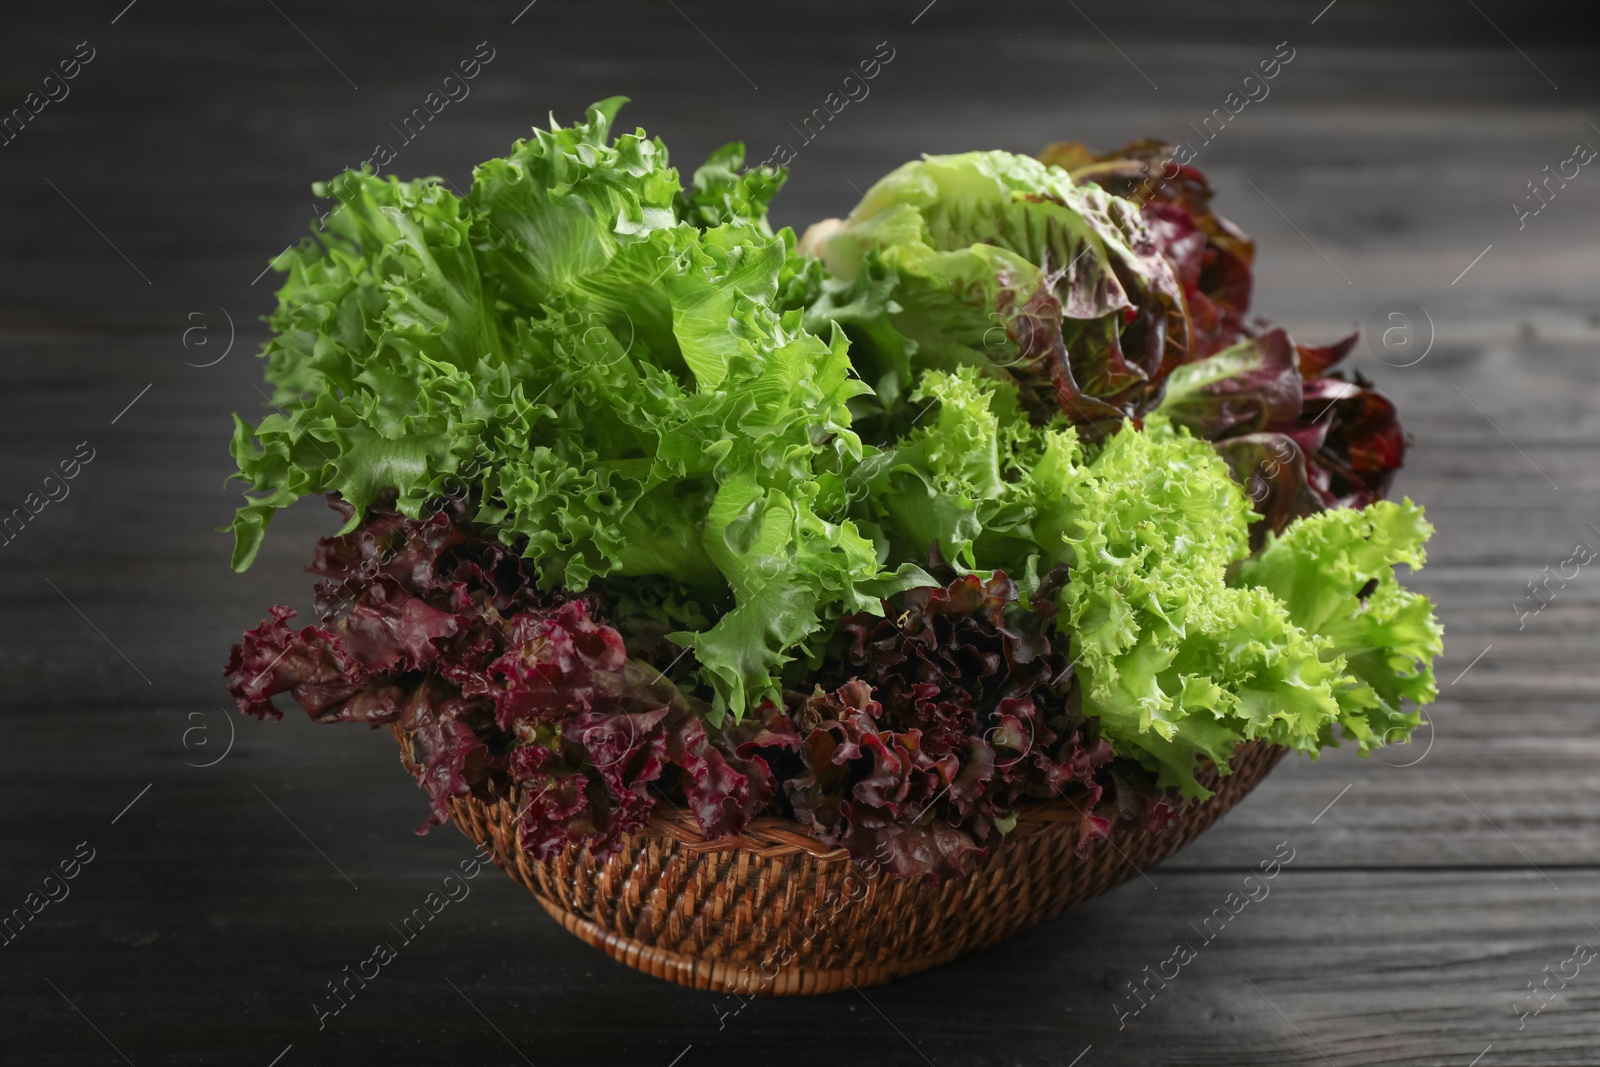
(1430, 885)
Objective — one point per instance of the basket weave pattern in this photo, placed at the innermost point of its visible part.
(773, 910)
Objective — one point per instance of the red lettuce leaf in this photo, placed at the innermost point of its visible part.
(961, 706)
(1268, 393)
(1212, 258)
(501, 691)
(1362, 444)
(1347, 432)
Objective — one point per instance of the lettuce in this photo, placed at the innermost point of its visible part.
(1176, 661)
(501, 691)
(951, 480)
(997, 260)
(1334, 572)
(595, 357)
(741, 448)
(1104, 293)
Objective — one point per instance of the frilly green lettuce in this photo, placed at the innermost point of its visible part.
(598, 357)
(1335, 574)
(1314, 639)
(1173, 661)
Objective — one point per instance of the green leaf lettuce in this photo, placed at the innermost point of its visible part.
(598, 357)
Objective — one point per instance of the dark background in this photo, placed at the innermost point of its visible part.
(218, 905)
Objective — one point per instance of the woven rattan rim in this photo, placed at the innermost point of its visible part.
(771, 836)
(774, 911)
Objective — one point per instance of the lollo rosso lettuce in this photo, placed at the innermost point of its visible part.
(956, 711)
(958, 708)
(986, 494)
(503, 690)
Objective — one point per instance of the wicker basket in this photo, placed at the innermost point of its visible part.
(773, 910)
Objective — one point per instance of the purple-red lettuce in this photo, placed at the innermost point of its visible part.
(1297, 438)
(960, 705)
(502, 691)
(1295, 432)
(912, 741)
(1212, 257)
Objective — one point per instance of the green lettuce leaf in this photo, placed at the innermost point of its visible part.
(1335, 574)
(723, 191)
(1174, 662)
(956, 481)
(601, 362)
